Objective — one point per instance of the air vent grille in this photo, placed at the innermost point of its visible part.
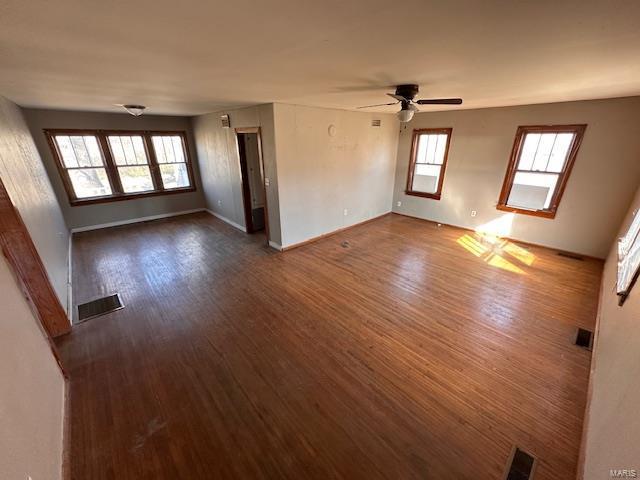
(574, 256)
(98, 307)
(521, 465)
(584, 338)
(376, 122)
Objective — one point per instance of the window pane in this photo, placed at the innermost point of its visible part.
(159, 149)
(169, 148)
(66, 150)
(174, 175)
(177, 148)
(431, 148)
(94, 151)
(425, 178)
(80, 149)
(90, 182)
(441, 146)
(135, 179)
(529, 148)
(544, 151)
(138, 146)
(532, 190)
(128, 150)
(560, 152)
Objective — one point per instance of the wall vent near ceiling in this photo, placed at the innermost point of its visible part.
(225, 120)
(521, 465)
(376, 122)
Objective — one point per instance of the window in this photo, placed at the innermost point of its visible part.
(539, 168)
(428, 161)
(100, 166)
(628, 259)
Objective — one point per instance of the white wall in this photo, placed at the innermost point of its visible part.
(612, 420)
(603, 180)
(79, 216)
(219, 162)
(28, 185)
(31, 384)
(319, 176)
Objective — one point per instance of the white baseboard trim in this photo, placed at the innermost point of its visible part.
(226, 220)
(70, 280)
(275, 245)
(134, 220)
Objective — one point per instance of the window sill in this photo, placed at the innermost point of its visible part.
(524, 211)
(433, 196)
(128, 196)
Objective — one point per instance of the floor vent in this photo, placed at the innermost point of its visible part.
(584, 338)
(99, 307)
(574, 256)
(521, 465)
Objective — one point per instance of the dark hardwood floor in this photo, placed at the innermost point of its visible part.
(413, 351)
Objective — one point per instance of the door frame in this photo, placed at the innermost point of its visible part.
(244, 177)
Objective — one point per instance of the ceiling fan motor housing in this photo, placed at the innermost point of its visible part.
(407, 91)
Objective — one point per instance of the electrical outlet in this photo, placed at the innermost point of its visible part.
(399, 203)
(473, 213)
(346, 212)
(219, 203)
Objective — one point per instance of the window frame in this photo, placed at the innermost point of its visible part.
(437, 195)
(563, 176)
(111, 168)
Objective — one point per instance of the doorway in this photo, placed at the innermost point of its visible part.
(254, 194)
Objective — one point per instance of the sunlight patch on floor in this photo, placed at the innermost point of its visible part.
(487, 243)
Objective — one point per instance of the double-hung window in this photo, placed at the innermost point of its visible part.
(428, 161)
(101, 166)
(539, 168)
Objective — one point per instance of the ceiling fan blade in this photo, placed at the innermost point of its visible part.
(379, 105)
(440, 101)
(400, 98)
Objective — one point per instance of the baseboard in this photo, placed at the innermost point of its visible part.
(134, 220)
(333, 232)
(70, 280)
(275, 245)
(226, 220)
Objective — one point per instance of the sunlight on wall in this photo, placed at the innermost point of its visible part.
(487, 243)
(499, 227)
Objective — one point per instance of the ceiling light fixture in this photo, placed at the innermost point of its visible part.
(135, 110)
(407, 111)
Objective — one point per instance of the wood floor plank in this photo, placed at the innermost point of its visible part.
(411, 351)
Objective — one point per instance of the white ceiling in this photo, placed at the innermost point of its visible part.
(191, 57)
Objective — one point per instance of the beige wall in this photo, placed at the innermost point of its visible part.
(220, 163)
(30, 190)
(319, 176)
(32, 399)
(604, 177)
(104, 213)
(613, 420)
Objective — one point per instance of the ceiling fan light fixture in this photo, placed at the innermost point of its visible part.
(135, 110)
(405, 115)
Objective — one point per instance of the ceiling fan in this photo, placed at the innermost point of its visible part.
(405, 95)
